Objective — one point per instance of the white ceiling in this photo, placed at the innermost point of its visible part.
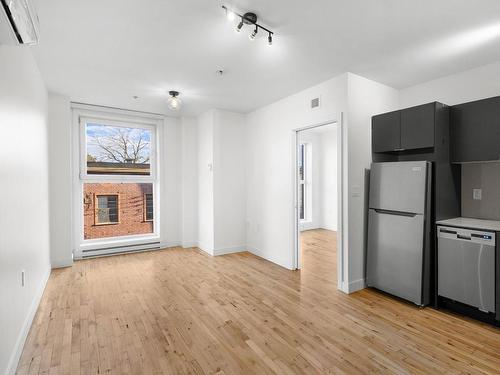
(105, 52)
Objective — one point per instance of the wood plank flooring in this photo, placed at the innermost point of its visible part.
(179, 311)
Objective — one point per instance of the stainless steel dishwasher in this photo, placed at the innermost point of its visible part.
(466, 266)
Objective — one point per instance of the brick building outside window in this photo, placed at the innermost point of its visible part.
(117, 209)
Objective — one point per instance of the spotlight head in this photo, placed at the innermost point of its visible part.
(270, 39)
(240, 25)
(253, 34)
(230, 15)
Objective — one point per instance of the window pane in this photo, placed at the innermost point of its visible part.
(117, 150)
(302, 149)
(149, 207)
(117, 209)
(301, 202)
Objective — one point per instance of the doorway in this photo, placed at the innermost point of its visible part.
(318, 195)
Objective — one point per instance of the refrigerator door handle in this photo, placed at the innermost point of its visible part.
(397, 213)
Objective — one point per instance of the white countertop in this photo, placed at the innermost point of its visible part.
(465, 222)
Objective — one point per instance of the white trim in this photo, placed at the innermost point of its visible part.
(354, 286)
(230, 250)
(28, 321)
(189, 244)
(205, 249)
(341, 178)
(61, 263)
(103, 109)
(170, 244)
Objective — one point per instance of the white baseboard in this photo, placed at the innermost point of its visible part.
(167, 244)
(188, 244)
(61, 263)
(230, 250)
(21, 339)
(355, 285)
(259, 253)
(206, 249)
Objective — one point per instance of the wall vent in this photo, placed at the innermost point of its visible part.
(315, 103)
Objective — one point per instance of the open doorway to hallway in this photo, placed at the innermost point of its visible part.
(317, 201)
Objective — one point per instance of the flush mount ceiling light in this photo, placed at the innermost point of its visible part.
(174, 102)
(248, 18)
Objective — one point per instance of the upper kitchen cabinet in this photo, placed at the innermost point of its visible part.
(417, 127)
(386, 132)
(408, 129)
(475, 131)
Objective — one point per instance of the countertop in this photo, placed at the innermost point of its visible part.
(465, 222)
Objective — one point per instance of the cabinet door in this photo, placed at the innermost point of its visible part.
(386, 132)
(475, 131)
(417, 127)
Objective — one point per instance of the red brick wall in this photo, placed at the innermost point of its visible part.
(131, 205)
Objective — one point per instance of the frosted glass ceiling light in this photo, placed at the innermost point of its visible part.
(174, 102)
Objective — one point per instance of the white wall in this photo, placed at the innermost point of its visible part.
(229, 182)
(189, 211)
(24, 222)
(171, 179)
(270, 165)
(474, 84)
(60, 181)
(365, 98)
(328, 179)
(270, 177)
(206, 236)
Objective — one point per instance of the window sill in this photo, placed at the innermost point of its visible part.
(101, 224)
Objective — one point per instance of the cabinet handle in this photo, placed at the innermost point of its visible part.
(399, 149)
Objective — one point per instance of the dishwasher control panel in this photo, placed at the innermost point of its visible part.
(463, 234)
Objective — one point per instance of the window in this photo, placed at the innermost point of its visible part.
(148, 207)
(106, 211)
(116, 178)
(302, 181)
(117, 150)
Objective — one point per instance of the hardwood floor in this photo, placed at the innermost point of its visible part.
(180, 311)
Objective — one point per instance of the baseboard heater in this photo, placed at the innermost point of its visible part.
(114, 250)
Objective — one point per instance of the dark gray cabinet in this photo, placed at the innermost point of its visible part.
(475, 131)
(386, 133)
(408, 129)
(417, 127)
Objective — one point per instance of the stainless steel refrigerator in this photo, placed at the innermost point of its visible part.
(398, 246)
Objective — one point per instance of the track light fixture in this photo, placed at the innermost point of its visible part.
(254, 33)
(240, 25)
(248, 18)
(174, 103)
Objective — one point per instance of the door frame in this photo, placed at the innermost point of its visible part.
(341, 258)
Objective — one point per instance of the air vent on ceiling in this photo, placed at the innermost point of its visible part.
(315, 103)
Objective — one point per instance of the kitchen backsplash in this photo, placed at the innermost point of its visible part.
(481, 190)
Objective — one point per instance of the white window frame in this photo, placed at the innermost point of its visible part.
(113, 117)
(303, 181)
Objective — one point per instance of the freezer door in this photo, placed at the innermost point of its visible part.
(395, 254)
(399, 186)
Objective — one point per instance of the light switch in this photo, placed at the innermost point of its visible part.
(355, 191)
(477, 194)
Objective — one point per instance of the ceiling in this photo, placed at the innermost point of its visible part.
(106, 52)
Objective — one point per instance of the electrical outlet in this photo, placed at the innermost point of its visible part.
(477, 194)
(23, 278)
